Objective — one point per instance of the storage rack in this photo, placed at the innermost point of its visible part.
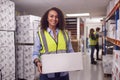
(71, 25)
(114, 13)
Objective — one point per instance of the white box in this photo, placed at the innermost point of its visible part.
(116, 1)
(3, 38)
(26, 36)
(61, 62)
(107, 64)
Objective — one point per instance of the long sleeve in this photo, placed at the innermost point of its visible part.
(70, 48)
(37, 48)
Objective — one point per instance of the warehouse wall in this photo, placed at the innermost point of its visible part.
(92, 23)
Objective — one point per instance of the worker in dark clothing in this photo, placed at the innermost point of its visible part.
(92, 45)
(97, 42)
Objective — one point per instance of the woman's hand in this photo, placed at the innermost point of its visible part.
(39, 66)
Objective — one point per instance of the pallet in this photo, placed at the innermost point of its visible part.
(107, 75)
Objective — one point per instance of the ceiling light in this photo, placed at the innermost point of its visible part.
(77, 15)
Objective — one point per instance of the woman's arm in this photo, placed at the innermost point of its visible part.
(70, 48)
(36, 53)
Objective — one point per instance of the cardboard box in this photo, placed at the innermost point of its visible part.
(107, 64)
(76, 45)
(26, 28)
(61, 62)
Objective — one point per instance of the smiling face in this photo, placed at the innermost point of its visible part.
(52, 18)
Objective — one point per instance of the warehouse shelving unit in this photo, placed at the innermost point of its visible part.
(113, 10)
(72, 25)
(115, 13)
(114, 40)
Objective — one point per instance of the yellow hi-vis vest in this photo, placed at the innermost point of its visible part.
(92, 42)
(49, 45)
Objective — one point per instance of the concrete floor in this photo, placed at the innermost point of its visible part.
(90, 72)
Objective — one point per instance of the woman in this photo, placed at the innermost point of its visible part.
(52, 38)
(92, 45)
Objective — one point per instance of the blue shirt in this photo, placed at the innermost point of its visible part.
(38, 47)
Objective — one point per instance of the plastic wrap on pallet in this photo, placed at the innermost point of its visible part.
(7, 15)
(27, 27)
(25, 66)
(7, 46)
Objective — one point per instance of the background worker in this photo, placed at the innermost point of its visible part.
(97, 43)
(92, 45)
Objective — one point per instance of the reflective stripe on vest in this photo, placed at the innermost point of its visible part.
(49, 45)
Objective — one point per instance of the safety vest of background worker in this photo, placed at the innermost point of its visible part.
(92, 41)
(50, 45)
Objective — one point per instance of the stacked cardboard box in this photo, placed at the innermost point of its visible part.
(7, 13)
(111, 5)
(116, 65)
(7, 54)
(27, 27)
(76, 45)
(25, 66)
(118, 29)
(116, 1)
(111, 29)
(7, 46)
(107, 64)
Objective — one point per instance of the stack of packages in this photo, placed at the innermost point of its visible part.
(26, 30)
(111, 29)
(116, 65)
(118, 28)
(111, 5)
(107, 64)
(7, 46)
